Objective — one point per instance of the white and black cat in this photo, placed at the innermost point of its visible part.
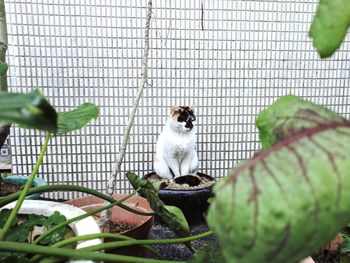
(176, 146)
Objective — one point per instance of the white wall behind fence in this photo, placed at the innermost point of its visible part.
(249, 53)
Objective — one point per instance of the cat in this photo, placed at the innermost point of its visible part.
(176, 146)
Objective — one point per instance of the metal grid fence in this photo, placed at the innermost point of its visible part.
(249, 53)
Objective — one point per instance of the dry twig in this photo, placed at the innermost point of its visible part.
(105, 217)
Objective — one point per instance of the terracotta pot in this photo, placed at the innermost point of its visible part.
(143, 223)
(193, 203)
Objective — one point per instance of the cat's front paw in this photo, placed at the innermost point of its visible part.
(162, 169)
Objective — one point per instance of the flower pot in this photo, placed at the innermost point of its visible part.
(193, 203)
(82, 227)
(22, 180)
(143, 223)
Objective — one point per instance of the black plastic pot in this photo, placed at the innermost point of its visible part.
(193, 203)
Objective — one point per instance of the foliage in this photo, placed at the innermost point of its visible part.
(77, 118)
(330, 25)
(208, 254)
(171, 215)
(287, 201)
(290, 115)
(23, 231)
(30, 110)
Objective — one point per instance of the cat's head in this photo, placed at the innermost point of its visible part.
(182, 118)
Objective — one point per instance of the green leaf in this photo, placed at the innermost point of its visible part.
(4, 214)
(55, 219)
(8, 257)
(19, 233)
(171, 215)
(181, 222)
(290, 115)
(30, 110)
(36, 220)
(160, 185)
(77, 118)
(3, 69)
(345, 246)
(54, 237)
(48, 222)
(208, 254)
(329, 26)
(344, 259)
(286, 202)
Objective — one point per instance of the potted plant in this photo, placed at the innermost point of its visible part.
(47, 208)
(124, 222)
(12, 183)
(191, 196)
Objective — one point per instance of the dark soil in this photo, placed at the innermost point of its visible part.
(6, 188)
(203, 183)
(118, 227)
(327, 257)
(180, 251)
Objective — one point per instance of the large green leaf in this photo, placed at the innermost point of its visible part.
(171, 215)
(329, 26)
(77, 118)
(209, 253)
(29, 110)
(287, 201)
(290, 115)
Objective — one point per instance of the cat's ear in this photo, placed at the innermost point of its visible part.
(174, 110)
(192, 106)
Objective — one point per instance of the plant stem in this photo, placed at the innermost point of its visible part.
(3, 32)
(111, 245)
(64, 187)
(4, 128)
(144, 73)
(49, 231)
(76, 254)
(89, 237)
(25, 190)
(4, 132)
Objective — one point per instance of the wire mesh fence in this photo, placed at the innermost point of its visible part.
(230, 58)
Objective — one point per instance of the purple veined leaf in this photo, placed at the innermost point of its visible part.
(290, 115)
(287, 201)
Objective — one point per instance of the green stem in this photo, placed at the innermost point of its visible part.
(73, 240)
(25, 190)
(110, 245)
(3, 44)
(76, 254)
(4, 128)
(64, 187)
(51, 230)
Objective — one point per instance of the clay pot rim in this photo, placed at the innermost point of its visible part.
(198, 190)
